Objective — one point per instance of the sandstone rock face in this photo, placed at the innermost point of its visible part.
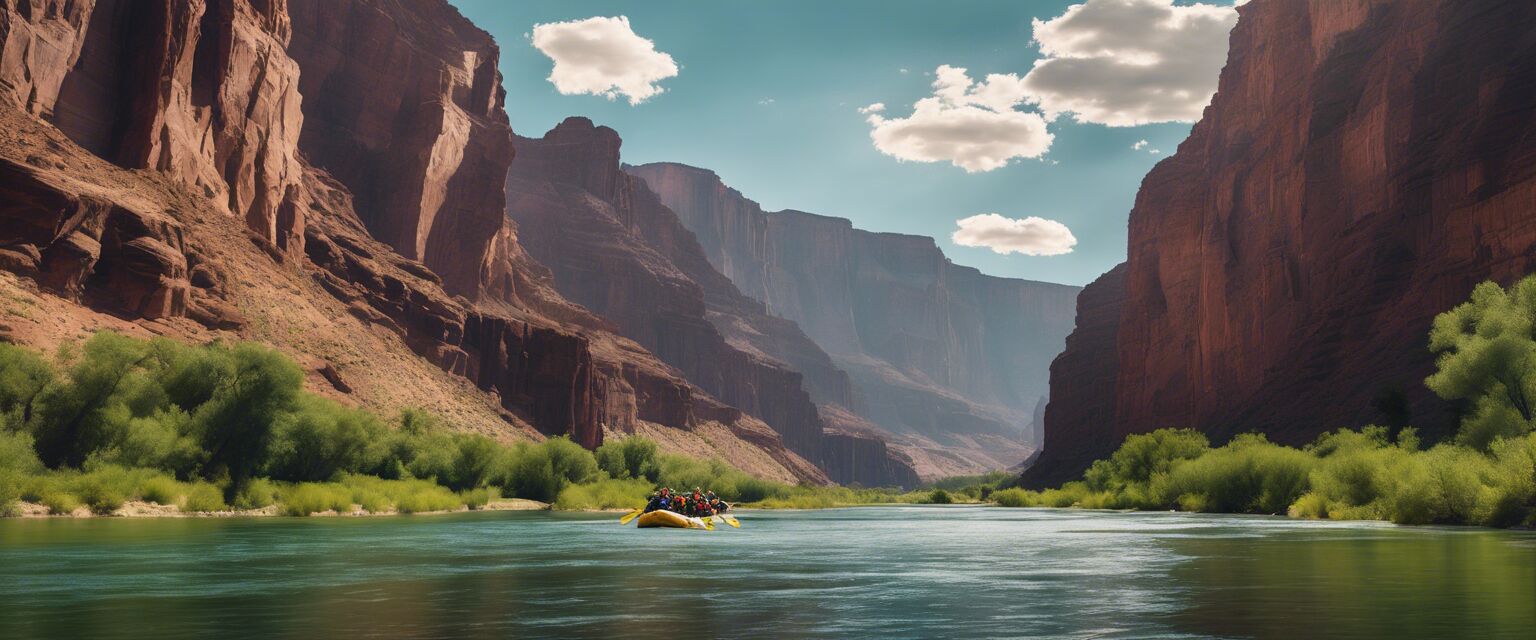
(91, 248)
(405, 102)
(199, 89)
(1362, 166)
(933, 348)
(41, 41)
(1083, 381)
(615, 249)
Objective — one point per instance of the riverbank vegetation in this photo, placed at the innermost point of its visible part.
(229, 427)
(1485, 476)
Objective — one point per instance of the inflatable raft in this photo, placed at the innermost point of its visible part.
(669, 519)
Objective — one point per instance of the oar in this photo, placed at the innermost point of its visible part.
(730, 520)
(631, 516)
(709, 524)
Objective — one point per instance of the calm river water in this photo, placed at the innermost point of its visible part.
(886, 572)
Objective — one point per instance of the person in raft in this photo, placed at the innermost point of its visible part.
(695, 505)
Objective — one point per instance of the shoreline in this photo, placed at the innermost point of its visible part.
(140, 509)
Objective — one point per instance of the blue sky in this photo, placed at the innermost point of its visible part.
(767, 95)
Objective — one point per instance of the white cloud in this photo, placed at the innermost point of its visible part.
(1140, 144)
(604, 57)
(1032, 236)
(1154, 151)
(1130, 62)
(765, 101)
(972, 125)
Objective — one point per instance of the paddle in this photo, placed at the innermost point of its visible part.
(631, 516)
(709, 524)
(727, 519)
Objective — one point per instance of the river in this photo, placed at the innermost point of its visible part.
(890, 572)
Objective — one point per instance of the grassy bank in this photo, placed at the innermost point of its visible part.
(1485, 476)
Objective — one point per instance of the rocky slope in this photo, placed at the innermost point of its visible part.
(252, 168)
(1363, 165)
(615, 249)
(950, 360)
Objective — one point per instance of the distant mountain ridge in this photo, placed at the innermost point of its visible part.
(950, 360)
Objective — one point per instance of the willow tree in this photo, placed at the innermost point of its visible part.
(1488, 359)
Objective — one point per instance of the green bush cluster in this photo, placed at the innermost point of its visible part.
(229, 426)
(1346, 474)
(117, 419)
(1487, 476)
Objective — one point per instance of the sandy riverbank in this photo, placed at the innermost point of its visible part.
(139, 509)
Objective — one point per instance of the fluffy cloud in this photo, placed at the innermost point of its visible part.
(972, 125)
(603, 57)
(1032, 236)
(1129, 62)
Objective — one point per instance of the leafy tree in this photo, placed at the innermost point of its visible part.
(236, 425)
(71, 421)
(23, 376)
(322, 439)
(1488, 358)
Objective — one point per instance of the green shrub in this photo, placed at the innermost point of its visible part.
(632, 457)
(1013, 497)
(105, 489)
(1248, 475)
(161, 490)
(257, 494)
(605, 494)
(475, 498)
(313, 497)
(426, 499)
(203, 497)
(940, 496)
(58, 501)
(541, 471)
(1142, 456)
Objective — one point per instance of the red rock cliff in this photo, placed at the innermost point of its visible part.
(405, 102)
(405, 119)
(1363, 165)
(615, 249)
(933, 348)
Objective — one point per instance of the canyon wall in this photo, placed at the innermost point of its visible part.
(1362, 166)
(361, 145)
(936, 350)
(615, 249)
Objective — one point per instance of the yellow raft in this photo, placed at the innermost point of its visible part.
(669, 519)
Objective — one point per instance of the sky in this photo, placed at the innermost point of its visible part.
(1013, 132)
